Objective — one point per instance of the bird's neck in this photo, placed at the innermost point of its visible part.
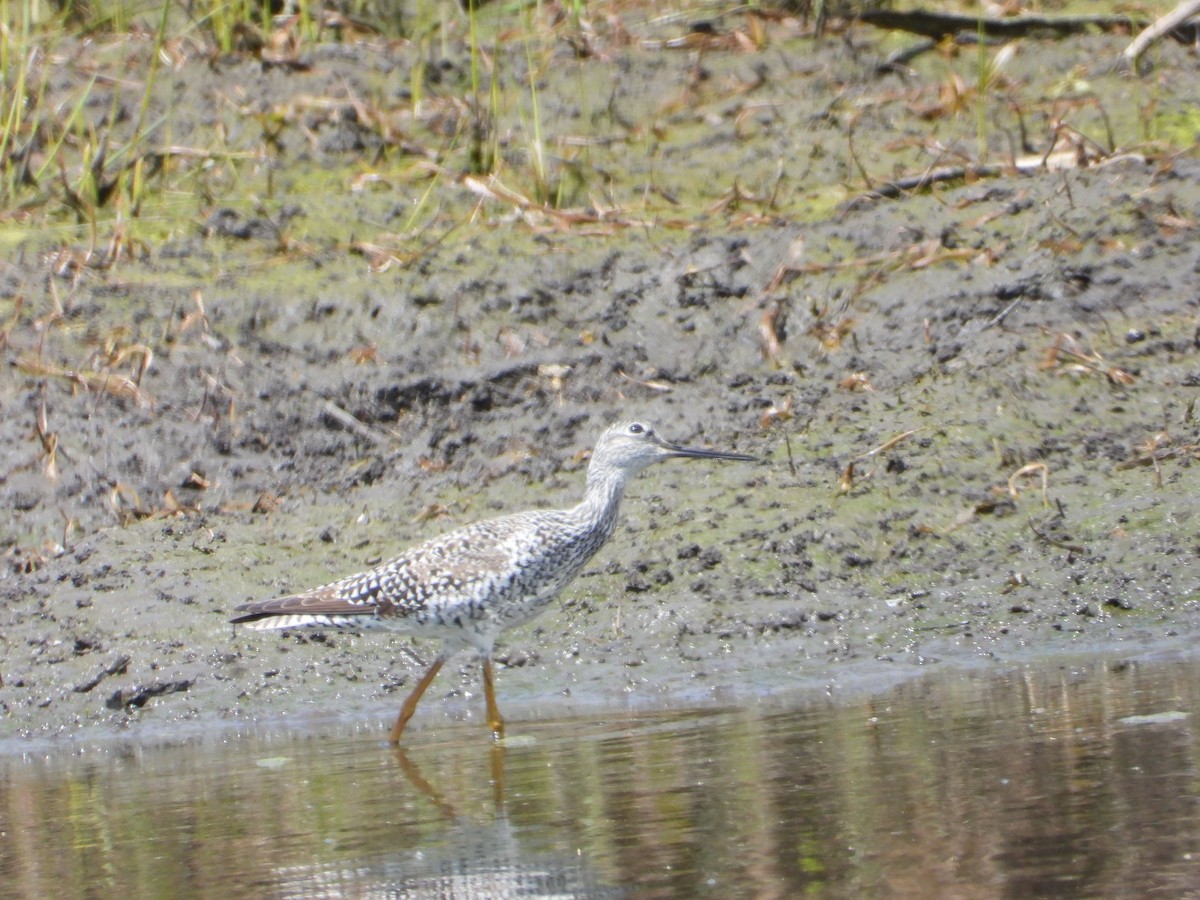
(602, 500)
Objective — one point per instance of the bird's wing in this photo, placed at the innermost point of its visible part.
(460, 567)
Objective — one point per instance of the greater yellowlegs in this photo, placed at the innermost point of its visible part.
(467, 586)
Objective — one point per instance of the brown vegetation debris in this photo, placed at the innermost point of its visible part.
(555, 374)
(771, 331)
(856, 381)
(433, 511)
(736, 196)
(889, 444)
(1054, 542)
(918, 255)
(1169, 220)
(846, 480)
(701, 35)
(1066, 355)
(1155, 450)
(363, 354)
(101, 383)
(197, 482)
(831, 333)
(266, 503)
(49, 442)
(197, 316)
(26, 560)
(777, 412)
(535, 214)
(662, 386)
(173, 507)
(1038, 469)
(125, 502)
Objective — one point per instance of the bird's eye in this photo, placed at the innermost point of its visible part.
(637, 428)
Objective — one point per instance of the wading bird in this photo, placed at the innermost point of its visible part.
(467, 586)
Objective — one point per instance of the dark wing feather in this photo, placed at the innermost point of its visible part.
(320, 602)
(462, 567)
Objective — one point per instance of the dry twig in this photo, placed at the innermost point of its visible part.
(1164, 25)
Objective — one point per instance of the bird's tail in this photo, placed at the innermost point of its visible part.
(303, 611)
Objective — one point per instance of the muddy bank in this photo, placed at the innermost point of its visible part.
(1021, 355)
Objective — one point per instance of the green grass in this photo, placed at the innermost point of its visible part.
(99, 141)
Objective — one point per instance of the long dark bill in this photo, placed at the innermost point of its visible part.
(696, 453)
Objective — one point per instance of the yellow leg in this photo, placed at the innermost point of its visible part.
(495, 721)
(410, 704)
(497, 750)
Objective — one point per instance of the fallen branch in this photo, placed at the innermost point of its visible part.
(1030, 165)
(888, 444)
(354, 424)
(1168, 24)
(1072, 548)
(938, 25)
(891, 189)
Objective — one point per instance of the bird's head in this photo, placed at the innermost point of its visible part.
(629, 447)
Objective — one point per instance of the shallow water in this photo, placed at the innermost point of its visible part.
(1064, 780)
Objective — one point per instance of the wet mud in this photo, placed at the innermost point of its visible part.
(975, 410)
